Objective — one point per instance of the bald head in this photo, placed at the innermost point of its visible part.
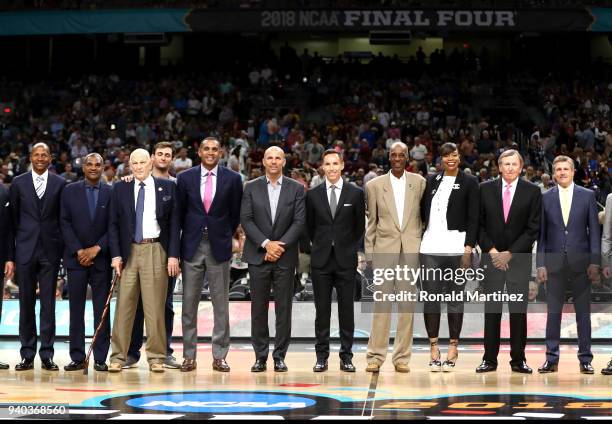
(140, 162)
(273, 162)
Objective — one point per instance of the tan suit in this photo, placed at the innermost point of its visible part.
(387, 245)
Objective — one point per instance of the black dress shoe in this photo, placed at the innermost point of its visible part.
(74, 366)
(49, 365)
(100, 366)
(4, 366)
(347, 366)
(608, 369)
(586, 368)
(279, 366)
(320, 366)
(486, 366)
(548, 367)
(521, 367)
(25, 364)
(259, 366)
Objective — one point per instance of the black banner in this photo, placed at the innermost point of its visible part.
(389, 20)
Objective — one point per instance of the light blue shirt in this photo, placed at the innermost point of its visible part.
(273, 195)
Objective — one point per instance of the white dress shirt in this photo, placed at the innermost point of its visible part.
(512, 189)
(204, 177)
(437, 227)
(273, 195)
(338, 185)
(399, 194)
(45, 176)
(570, 195)
(150, 226)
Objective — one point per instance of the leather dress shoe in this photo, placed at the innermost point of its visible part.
(49, 365)
(100, 366)
(608, 369)
(486, 366)
(521, 367)
(548, 367)
(259, 366)
(25, 364)
(188, 365)
(279, 366)
(320, 366)
(586, 368)
(373, 367)
(73, 366)
(347, 366)
(4, 366)
(403, 368)
(220, 365)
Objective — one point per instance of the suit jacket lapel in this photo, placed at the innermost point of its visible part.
(458, 183)
(499, 201)
(281, 197)
(132, 203)
(263, 184)
(390, 199)
(575, 195)
(341, 199)
(33, 195)
(47, 195)
(102, 197)
(220, 181)
(85, 199)
(321, 191)
(517, 195)
(408, 200)
(159, 193)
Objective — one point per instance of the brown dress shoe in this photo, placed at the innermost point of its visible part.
(220, 365)
(189, 365)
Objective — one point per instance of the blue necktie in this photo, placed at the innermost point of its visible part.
(139, 213)
(91, 200)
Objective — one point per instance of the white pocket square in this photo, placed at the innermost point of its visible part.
(7, 203)
(348, 204)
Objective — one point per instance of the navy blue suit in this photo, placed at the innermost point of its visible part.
(38, 250)
(221, 220)
(566, 251)
(123, 218)
(81, 232)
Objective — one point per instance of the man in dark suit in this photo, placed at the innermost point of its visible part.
(7, 241)
(35, 207)
(335, 218)
(510, 210)
(84, 226)
(273, 217)
(209, 198)
(568, 254)
(143, 234)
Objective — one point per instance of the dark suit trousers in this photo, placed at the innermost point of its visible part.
(77, 292)
(323, 282)
(280, 279)
(431, 310)
(44, 272)
(138, 328)
(516, 283)
(555, 296)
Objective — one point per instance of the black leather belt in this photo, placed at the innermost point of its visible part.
(148, 241)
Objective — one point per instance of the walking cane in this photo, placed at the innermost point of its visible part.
(101, 324)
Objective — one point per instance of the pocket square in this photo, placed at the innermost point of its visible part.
(7, 203)
(166, 198)
(348, 204)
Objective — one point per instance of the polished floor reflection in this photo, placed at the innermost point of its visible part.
(300, 393)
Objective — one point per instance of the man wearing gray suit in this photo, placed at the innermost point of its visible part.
(273, 217)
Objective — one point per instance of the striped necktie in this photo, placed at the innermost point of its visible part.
(40, 186)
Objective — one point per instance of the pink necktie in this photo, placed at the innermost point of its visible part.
(507, 201)
(208, 186)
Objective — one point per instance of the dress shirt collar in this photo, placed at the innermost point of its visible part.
(401, 179)
(569, 189)
(44, 175)
(147, 181)
(338, 184)
(279, 181)
(87, 185)
(512, 184)
(205, 171)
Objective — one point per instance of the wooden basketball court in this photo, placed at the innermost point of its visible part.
(302, 394)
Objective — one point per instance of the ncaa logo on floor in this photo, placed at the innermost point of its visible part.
(220, 402)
